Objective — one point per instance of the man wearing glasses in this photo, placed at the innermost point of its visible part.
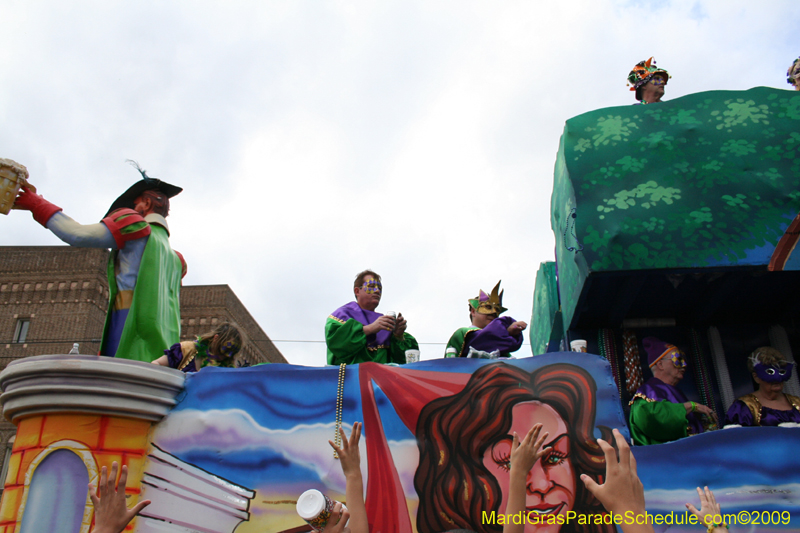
(355, 333)
(660, 412)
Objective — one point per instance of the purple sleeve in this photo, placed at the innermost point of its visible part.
(174, 355)
(493, 337)
(740, 414)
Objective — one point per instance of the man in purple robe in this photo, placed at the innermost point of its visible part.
(660, 412)
(355, 333)
(490, 335)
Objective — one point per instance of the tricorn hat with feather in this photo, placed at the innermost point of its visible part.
(128, 198)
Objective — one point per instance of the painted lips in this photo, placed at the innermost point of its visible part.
(545, 509)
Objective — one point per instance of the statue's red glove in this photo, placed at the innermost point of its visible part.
(40, 208)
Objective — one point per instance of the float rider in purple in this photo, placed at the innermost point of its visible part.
(660, 412)
(490, 336)
(768, 405)
(144, 272)
(355, 333)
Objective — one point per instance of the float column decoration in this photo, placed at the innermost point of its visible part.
(74, 415)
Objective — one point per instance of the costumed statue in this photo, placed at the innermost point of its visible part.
(490, 335)
(355, 333)
(144, 272)
(793, 75)
(648, 81)
(660, 412)
(768, 405)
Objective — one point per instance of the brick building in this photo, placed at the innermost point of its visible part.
(54, 296)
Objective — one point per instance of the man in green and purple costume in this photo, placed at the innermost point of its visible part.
(660, 411)
(144, 272)
(490, 335)
(355, 333)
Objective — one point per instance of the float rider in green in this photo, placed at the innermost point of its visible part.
(355, 333)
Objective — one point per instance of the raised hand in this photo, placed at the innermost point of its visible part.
(111, 513)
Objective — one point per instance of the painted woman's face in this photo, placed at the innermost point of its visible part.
(550, 486)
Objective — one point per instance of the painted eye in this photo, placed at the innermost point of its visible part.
(782, 371)
(553, 459)
(770, 371)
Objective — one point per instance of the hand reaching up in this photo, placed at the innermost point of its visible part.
(111, 513)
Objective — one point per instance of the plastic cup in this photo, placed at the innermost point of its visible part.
(412, 356)
(578, 345)
(315, 508)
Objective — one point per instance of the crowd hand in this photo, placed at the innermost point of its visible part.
(354, 490)
(338, 519)
(702, 409)
(349, 454)
(111, 513)
(382, 323)
(622, 490)
(517, 327)
(400, 326)
(710, 511)
(525, 454)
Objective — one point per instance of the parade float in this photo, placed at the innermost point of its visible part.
(675, 220)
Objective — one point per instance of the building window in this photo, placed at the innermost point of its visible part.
(21, 331)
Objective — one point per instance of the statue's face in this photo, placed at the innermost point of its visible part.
(142, 205)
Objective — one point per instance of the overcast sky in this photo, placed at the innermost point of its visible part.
(316, 139)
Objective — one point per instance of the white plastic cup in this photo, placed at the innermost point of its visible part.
(315, 508)
(412, 356)
(578, 345)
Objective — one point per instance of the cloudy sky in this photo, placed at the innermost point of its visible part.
(315, 139)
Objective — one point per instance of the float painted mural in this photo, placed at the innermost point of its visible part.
(240, 445)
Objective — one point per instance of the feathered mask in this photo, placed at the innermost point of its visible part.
(491, 304)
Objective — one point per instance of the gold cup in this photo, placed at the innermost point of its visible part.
(12, 177)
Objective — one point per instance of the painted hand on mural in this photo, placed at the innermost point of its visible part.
(350, 459)
(111, 513)
(623, 490)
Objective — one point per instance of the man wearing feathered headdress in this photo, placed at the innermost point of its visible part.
(490, 335)
(144, 272)
(648, 81)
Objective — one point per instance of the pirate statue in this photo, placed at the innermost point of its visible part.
(660, 411)
(490, 336)
(144, 272)
(648, 81)
(768, 405)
